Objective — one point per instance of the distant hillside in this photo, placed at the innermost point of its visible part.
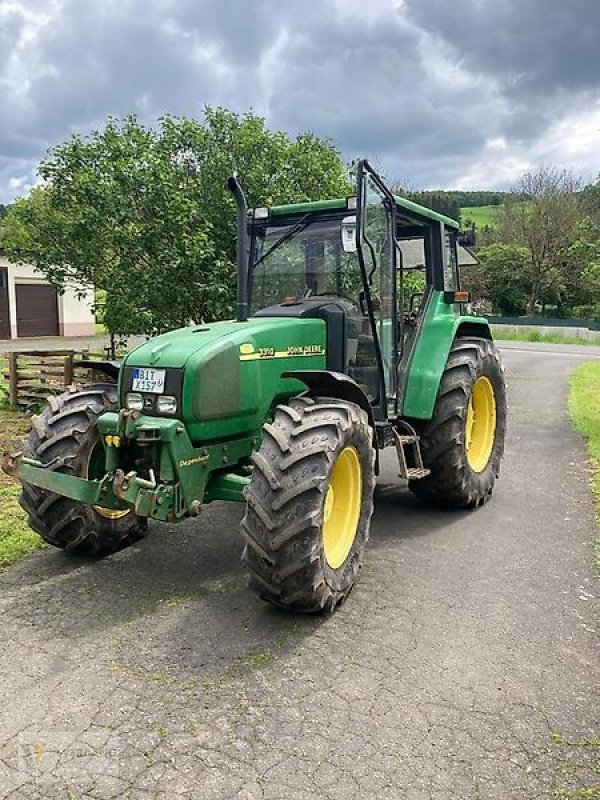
(481, 216)
(463, 198)
(479, 198)
(472, 207)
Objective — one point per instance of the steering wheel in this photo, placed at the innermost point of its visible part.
(357, 303)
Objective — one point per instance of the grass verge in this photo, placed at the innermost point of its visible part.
(539, 336)
(576, 758)
(584, 408)
(16, 539)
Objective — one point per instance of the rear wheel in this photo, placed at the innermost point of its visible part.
(309, 504)
(463, 443)
(66, 430)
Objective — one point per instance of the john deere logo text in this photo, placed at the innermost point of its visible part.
(292, 351)
(306, 350)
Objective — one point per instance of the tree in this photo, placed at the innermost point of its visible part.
(145, 215)
(583, 286)
(471, 199)
(542, 215)
(499, 276)
(590, 199)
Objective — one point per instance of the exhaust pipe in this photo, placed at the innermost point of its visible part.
(242, 248)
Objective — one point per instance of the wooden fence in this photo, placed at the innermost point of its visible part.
(32, 376)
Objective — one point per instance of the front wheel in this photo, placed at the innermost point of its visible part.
(66, 432)
(309, 504)
(463, 443)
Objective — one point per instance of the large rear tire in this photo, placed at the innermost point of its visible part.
(309, 504)
(67, 429)
(463, 443)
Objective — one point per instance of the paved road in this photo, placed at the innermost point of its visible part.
(463, 666)
(581, 352)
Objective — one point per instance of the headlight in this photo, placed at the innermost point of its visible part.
(166, 404)
(134, 401)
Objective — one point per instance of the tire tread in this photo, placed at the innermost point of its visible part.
(59, 437)
(284, 501)
(451, 483)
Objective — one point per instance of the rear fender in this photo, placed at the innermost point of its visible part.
(438, 332)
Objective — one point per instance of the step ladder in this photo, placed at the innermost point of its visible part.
(408, 448)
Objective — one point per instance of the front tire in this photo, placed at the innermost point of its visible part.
(463, 443)
(309, 504)
(67, 429)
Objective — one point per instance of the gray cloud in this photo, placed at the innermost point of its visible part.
(437, 94)
(530, 47)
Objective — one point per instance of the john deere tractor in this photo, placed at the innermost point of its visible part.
(350, 337)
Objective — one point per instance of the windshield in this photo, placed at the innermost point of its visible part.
(301, 260)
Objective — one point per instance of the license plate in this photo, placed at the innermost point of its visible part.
(148, 380)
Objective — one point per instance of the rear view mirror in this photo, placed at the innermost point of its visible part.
(467, 238)
(348, 230)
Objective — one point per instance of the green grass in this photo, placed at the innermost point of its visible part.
(16, 538)
(540, 336)
(574, 761)
(584, 408)
(482, 216)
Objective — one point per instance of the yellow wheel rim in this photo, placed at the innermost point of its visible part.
(341, 509)
(111, 513)
(480, 426)
(95, 469)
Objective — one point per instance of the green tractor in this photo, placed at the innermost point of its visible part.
(350, 337)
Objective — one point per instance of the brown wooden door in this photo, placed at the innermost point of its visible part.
(4, 313)
(37, 311)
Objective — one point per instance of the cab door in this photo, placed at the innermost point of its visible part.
(377, 255)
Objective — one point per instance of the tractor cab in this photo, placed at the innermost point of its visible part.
(369, 266)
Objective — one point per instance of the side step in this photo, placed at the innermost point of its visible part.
(408, 448)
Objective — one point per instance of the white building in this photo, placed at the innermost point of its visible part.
(30, 306)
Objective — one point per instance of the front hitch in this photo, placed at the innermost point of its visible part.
(187, 476)
(47, 476)
(148, 498)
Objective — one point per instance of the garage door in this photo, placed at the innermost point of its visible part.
(37, 313)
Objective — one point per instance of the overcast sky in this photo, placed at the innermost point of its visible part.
(438, 93)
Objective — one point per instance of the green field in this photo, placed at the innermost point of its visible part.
(482, 216)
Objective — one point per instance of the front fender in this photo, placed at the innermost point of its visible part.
(108, 368)
(326, 383)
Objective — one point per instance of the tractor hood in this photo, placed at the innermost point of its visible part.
(173, 349)
(227, 375)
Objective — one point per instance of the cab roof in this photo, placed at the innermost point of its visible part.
(413, 211)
